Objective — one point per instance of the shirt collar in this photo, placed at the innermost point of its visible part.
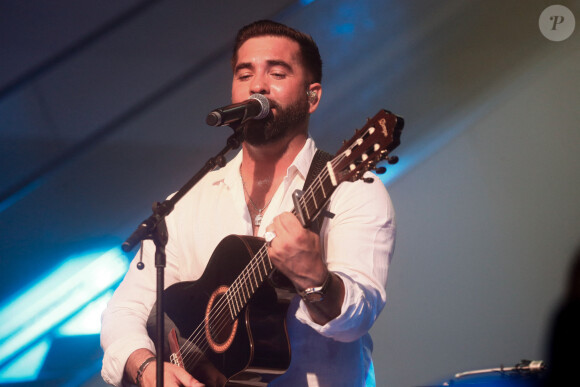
(231, 173)
(303, 159)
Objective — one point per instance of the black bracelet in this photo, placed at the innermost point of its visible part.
(142, 369)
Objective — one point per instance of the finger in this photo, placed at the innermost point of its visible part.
(185, 379)
(283, 224)
(269, 237)
(292, 223)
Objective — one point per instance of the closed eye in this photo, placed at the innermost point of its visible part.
(244, 77)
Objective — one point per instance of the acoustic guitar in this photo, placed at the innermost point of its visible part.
(228, 327)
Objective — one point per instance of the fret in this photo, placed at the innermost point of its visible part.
(233, 312)
(239, 304)
(247, 286)
(255, 281)
(312, 207)
(306, 212)
(258, 269)
(244, 290)
(259, 272)
(329, 187)
(322, 188)
(264, 264)
(270, 266)
(314, 195)
(264, 268)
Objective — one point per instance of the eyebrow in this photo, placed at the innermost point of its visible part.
(271, 63)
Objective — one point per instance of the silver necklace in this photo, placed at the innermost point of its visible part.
(258, 217)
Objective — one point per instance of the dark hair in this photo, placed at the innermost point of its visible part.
(308, 49)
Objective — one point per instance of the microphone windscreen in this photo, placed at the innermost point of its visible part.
(264, 103)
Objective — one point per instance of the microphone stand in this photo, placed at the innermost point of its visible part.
(154, 228)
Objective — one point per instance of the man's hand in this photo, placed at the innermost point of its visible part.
(295, 251)
(173, 375)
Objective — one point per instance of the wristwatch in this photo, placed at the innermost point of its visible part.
(317, 293)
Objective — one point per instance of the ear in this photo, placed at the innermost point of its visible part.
(314, 92)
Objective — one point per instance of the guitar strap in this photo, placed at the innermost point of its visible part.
(318, 162)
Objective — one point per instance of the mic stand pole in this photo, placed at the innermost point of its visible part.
(154, 228)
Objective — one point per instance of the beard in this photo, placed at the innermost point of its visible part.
(273, 128)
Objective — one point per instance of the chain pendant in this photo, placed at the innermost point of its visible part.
(258, 219)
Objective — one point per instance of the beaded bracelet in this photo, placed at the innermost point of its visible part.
(142, 369)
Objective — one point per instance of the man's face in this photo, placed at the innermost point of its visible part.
(271, 65)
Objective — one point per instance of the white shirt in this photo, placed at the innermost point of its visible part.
(357, 244)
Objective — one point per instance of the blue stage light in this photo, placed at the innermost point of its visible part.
(58, 301)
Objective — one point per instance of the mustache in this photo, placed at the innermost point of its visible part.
(273, 104)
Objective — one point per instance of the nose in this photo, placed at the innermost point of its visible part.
(259, 85)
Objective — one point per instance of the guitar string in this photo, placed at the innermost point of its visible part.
(234, 289)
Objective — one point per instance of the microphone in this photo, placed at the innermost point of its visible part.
(257, 107)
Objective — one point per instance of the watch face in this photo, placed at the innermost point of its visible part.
(314, 297)
(316, 294)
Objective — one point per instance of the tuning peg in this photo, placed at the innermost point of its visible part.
(368, 179)
(392, 160)
(380, 170)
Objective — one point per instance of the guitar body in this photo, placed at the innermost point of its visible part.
(253, 348)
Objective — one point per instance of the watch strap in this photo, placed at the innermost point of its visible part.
(318, 290)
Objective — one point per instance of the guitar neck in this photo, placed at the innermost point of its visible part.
(309, 204)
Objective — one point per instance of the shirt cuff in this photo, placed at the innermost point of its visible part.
(117, 354)
(347, 326)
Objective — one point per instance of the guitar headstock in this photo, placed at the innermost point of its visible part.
(370, 144)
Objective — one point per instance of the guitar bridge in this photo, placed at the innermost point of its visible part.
(175, 357)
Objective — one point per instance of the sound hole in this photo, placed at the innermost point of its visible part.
(220, 329)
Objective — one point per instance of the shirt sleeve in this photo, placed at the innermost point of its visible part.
(124, 321)
(358, 244)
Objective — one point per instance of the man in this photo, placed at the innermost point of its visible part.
(251, 196)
